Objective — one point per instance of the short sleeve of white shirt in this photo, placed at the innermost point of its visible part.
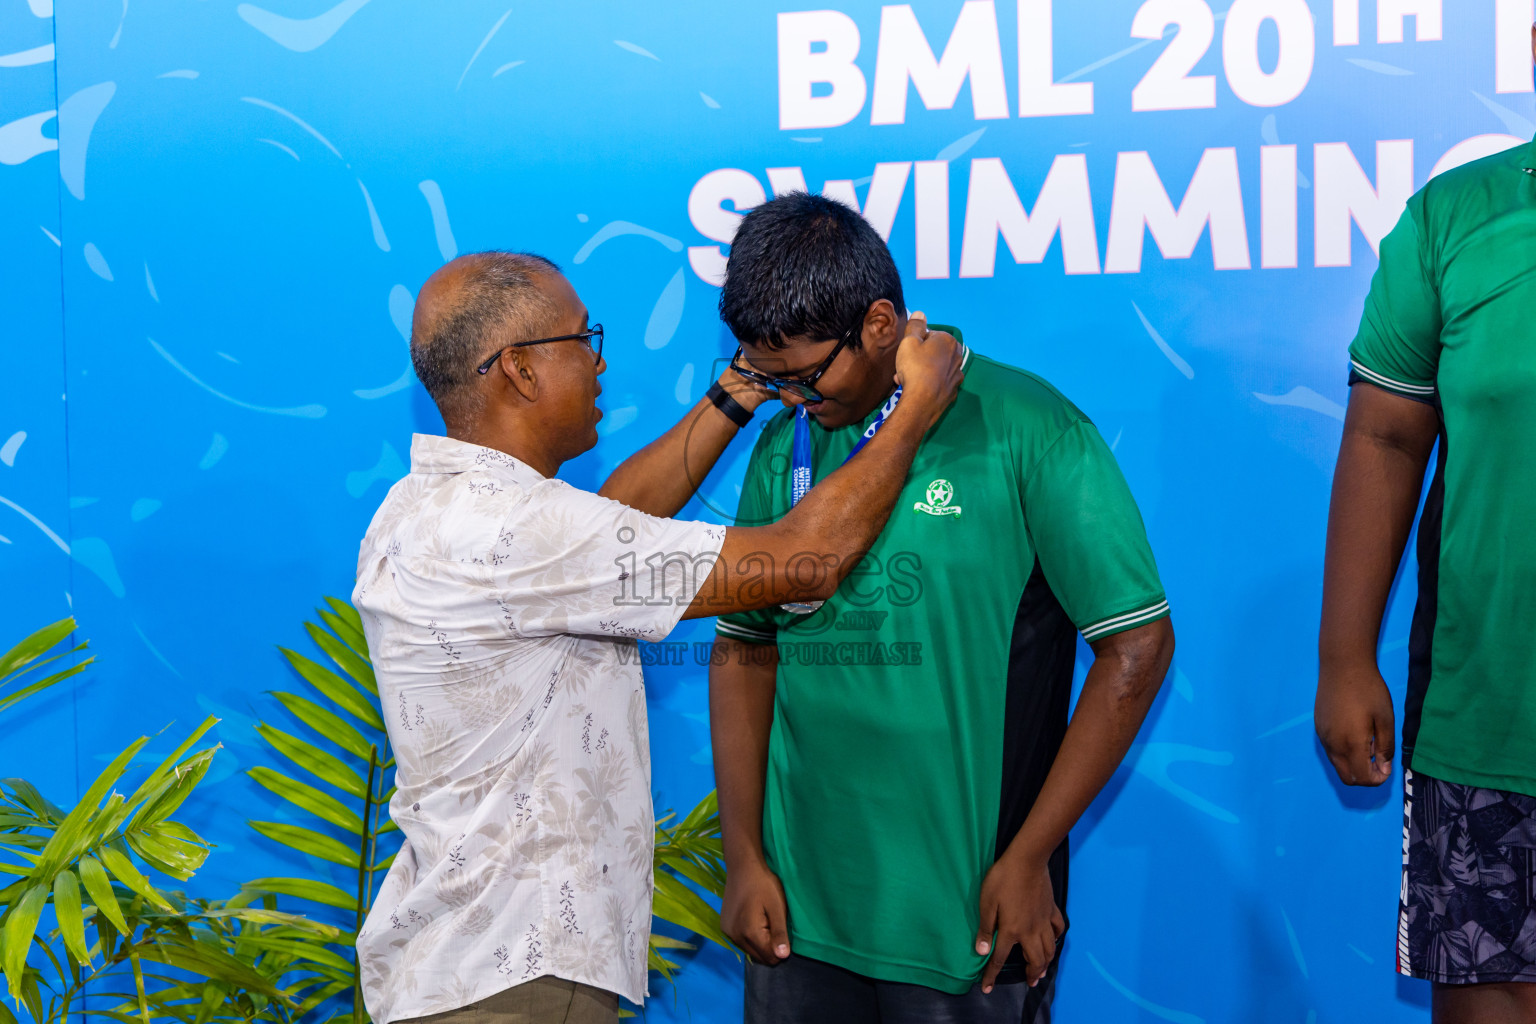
(586, 564)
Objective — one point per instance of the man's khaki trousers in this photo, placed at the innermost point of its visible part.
(541, 1001)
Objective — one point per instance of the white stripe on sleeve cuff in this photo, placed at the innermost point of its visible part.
(736, 631)
(1127, 621)
(1381, 380)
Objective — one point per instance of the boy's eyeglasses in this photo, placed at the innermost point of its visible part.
(803, 388)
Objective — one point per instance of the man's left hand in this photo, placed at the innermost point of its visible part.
(1017, 903)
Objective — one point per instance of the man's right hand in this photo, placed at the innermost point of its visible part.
(754, 914)
(928, 368)
(1355, 721)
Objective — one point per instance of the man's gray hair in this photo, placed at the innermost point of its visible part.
(499, 302)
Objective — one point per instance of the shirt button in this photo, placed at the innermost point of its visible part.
(415, 807)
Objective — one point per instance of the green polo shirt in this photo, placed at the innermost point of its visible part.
(1451, 321)
(918, 711)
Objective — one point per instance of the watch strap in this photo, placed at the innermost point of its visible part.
(734, 410)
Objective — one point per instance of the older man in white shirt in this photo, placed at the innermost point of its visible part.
(499, 603)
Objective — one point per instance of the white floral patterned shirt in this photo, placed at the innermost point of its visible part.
(502, 611)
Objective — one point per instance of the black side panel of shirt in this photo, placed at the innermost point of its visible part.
(1421, 636)
(1041, 657)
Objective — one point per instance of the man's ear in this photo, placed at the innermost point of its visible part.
(518, 368)
(882, 326)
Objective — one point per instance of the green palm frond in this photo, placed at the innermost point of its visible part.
(22, 660)
(154, 952)
(692, 847)
(687, 851)
(231, 961)
(690, 850)
(333, 782)
(93, 865)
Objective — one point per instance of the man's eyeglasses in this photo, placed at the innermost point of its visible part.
(592, 337)
(803, 388)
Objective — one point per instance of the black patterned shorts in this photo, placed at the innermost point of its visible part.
(1468, 903)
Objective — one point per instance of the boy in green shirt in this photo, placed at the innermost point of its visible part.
(896, 770)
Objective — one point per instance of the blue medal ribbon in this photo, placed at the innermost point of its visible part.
(800, 474)
(801, 471)
(800, 478)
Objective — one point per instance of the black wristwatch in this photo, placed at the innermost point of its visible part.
(734, 410)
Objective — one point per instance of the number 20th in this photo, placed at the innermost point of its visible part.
(1168, 84)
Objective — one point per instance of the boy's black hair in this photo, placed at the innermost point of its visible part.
(804, 265)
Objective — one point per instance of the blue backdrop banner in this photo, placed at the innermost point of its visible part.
(216, 216)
